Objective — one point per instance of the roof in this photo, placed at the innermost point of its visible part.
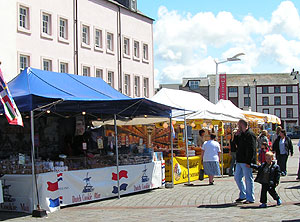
(204, 81)
(34, 88)
(261, 79)
(123, 6)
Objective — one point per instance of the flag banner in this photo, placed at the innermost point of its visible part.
(11, 110)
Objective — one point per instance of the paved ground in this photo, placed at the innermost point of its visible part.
(187, 203)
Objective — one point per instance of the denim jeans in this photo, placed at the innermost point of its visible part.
(232, 164)
(241, 170)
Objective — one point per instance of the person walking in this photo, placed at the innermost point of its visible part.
(298, 174)
(268, 176)
(232, 153)
(283, 147)
(211, 157)
(262, 139)
(245, 155)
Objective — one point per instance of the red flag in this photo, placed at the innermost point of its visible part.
(52, 186)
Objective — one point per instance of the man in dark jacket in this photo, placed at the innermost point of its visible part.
(245, 155)
(283, 147)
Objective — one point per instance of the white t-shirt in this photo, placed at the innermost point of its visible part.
(211, 149)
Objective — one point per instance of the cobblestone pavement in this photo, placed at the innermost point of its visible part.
(187, 203)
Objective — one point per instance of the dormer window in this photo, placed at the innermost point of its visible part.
(194, 84)
(133, 5)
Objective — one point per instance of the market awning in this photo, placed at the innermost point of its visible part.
(34, 88)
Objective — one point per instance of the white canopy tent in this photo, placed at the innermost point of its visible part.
(195, 105)
(250, 115)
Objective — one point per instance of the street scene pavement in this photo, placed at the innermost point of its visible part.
(199, 202)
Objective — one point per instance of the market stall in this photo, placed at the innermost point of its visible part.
(195, 109)
(69, 161)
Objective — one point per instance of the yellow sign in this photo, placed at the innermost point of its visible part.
(181, 171)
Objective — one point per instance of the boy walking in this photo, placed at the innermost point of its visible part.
(268, 176)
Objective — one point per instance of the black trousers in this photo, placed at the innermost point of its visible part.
(281, 161)
(263, 194)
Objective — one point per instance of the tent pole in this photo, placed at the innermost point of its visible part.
(187, 149)
(32, 159)
(222, 156)
(117, 153)
(171, 140)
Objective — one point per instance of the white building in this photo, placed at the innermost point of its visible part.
(97, 38)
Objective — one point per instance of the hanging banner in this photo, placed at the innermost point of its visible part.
(58, 189)
(181, 171)
(222, 92)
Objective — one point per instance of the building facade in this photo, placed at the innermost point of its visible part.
(274, 93)
(98, 38)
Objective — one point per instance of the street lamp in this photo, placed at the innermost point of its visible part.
(231, 59)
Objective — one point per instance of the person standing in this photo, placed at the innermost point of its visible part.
(298, 174)
(245, 156)
(200, 138)
(274, 137)
(232, 153)
(283, 147)
(211, 157)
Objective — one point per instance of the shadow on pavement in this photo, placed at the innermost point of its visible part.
(289, 181)
(199, 185)
(294, 187)
(296, 220)
(256, 207)
(11, 215)
(218, 205)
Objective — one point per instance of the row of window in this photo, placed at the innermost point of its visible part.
(277, 100)
(277, 112)
(265, 89)
(47, 64)
(87, 39)
(265, 101)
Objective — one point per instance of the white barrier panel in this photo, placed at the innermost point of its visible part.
(72, 187)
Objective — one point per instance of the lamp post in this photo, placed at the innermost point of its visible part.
(231, 59)
(296, 77)
(254, 83)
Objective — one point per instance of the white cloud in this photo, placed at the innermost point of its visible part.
(184, 43)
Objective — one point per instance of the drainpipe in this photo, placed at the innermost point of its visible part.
(119, 48)
(75, 34)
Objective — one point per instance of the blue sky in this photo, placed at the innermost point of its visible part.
(190, 34)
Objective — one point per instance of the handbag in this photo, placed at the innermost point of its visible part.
(201, 174)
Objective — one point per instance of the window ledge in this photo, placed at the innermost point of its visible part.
(98, 49)
(126, 56)
(108, 51)
(46, 36)
(63, 40)
(145, 61)
(24, 30)
(84, 45)
(136, 58)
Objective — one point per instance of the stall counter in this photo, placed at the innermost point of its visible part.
(58, 189)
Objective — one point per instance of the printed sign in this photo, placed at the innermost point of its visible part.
(222, 92)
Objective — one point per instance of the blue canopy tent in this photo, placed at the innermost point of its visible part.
(34, 88)
(38, 90)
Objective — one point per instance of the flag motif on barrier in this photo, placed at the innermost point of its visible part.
(11, 110)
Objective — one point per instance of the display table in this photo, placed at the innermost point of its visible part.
(73, 187)
(180, 169)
